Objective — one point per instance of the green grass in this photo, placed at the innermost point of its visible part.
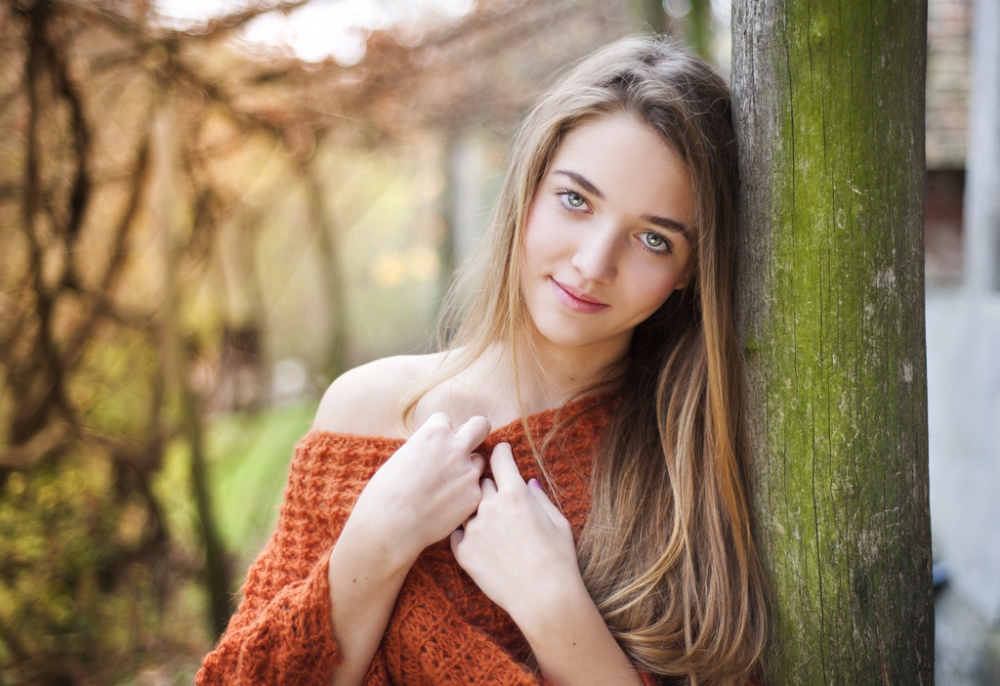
(248, 457)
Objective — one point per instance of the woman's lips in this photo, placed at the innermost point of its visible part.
(575, 300)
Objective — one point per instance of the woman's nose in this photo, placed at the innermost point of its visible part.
(596, 256)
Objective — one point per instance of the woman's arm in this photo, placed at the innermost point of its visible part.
(281, 631)
(303, 615)
(365, 579)
(519, 549)
(421, 494)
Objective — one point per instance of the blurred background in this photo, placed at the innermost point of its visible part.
(209, 210)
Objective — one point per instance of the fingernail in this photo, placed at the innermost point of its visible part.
(534, 482)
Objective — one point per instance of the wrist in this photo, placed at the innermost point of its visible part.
(371, 547)
(552, 607)
(571, 642)
(386, 528)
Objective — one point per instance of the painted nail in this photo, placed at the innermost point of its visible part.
(534, 482)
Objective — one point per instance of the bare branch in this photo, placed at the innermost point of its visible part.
(114, 60)
(115, 20)
(21, 321)
(7, 98)
(73, 350)
(80, 193)
(101, 305)
(151, 32)
(246, 120)
(43, 444)
(9, 191)
(220, 27)
(32, 411)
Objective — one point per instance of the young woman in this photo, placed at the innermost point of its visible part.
(600, 338)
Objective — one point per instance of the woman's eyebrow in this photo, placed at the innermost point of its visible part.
(668, 224)
(582, 180)
(662, 222)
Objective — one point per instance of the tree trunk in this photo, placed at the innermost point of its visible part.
(693, 29)
(649, 15)
(330, 266)
(829, 109)
(216, 572)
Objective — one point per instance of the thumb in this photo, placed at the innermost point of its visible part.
(543, 501)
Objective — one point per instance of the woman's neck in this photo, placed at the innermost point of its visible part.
(549, 376)
(501, 384)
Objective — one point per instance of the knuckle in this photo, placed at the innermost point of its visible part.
(485, 506)
(438, 420)
(474, 496)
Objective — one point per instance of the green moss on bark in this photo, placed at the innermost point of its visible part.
(838, 391)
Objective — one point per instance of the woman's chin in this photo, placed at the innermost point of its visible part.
(572, 336)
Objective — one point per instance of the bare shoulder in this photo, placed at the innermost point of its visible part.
(366, 400)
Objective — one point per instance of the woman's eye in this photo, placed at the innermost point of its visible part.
(573, 200)
(655, 242)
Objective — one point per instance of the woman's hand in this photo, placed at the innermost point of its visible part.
(518, 547)
(419, 496)
(428, 487)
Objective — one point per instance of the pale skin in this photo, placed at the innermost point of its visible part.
(606, 243)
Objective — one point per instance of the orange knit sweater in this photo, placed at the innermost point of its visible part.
(443, 629)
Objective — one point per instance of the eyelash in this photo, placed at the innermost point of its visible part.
(564, 203)
(667, 245)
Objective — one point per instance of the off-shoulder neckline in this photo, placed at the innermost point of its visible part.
(577, 406)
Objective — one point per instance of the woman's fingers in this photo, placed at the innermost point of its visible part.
(489, 487)
(456, 540)
(504, 468)
(543, 501)
(474, 431)
(479, 462)
(438, 419)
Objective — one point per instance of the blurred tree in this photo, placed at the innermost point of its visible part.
(113, 337)
(698, 22)
(217, 576)
(650, 15)
(830, 115)
(81, 527)
(690, 21)
(333, 278)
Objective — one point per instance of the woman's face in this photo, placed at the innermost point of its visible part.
(607, 237)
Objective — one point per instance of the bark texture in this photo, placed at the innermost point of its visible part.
(829, 102)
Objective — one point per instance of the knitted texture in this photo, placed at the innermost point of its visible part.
(443, 629)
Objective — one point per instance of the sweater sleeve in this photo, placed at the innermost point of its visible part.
(281, 633)
(452, 651)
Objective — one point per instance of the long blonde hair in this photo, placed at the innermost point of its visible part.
(668, 552)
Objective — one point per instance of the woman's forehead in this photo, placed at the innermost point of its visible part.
(619, 159)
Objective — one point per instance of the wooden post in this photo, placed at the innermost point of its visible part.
(829, 103)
